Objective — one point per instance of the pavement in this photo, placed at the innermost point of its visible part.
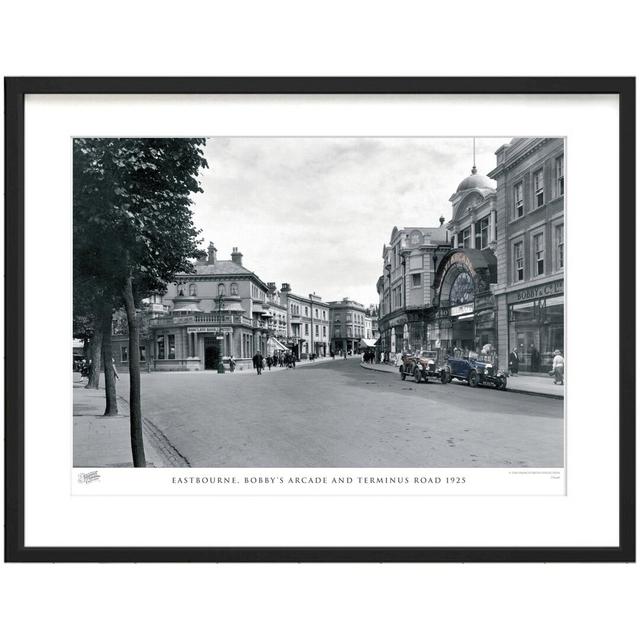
(329, 413)
(521, 383)
(104, 441)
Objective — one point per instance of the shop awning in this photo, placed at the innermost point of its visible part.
(276, 344)
(367, 343)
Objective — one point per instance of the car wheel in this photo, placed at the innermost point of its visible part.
(473, 379)
(444, 377)
(501, 384)
(417, 375)
(403, 375)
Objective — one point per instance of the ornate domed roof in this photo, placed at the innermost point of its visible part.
(475, 181)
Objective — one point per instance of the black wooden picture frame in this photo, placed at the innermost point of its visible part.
(15, 91)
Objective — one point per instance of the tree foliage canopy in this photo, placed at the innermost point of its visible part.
(132, 217)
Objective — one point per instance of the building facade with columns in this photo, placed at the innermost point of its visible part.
(406, 311)
(465, 279)
(222, 309)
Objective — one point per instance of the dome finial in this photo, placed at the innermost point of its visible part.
(474, 170)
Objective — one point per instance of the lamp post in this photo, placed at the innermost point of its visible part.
(219, 334)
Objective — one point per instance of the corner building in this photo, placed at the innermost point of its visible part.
(407, 314)
(530, 250)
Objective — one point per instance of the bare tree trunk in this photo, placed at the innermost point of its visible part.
(111, 407)
(95, 352)
(135, 411)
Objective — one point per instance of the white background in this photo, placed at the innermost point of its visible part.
(320, 601)
(587, 516)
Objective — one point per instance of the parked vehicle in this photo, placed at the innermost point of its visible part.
(421, 366)
(474, 372)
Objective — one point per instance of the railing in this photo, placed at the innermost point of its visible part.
(203, 318)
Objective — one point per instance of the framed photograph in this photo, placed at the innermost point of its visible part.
(320, 319)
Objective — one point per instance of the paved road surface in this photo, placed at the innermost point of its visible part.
(337, 414)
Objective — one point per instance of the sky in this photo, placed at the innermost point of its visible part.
(316, 212)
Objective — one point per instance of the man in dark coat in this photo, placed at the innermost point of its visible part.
(514, 362)
(258, 362)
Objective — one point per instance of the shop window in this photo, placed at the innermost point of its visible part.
(518, 199)
(559, 174)
(518, 261)
(234, 288)
(538, 187)
(172, 347)
(482, 233)
(538, 254)
(124, 354)
(559, 246)
(160, 348)
(416, 279)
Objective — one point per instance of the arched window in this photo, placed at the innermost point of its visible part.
(181, 289)
(234, 288)
(462, 289)
(221, 290)
(193, 290)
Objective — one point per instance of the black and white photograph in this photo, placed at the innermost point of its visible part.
(367, 303)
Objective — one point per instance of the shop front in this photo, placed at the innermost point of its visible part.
(536, 324)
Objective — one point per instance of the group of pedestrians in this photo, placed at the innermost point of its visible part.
(369, 357)
(286, 359)
(557, 367)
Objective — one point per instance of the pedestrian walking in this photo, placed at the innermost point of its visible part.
(258, 362)
(558, 367)
(269, 362)
(232, 364)
(514, 362)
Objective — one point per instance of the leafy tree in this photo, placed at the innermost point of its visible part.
(133, 228)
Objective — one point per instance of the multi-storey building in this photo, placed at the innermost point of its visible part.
(307, 323)
(502, 283)
(348, 325)
(221, 309)
(465, 277)
(406, 310)
(530, 250)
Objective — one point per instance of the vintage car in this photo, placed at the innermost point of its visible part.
(474, 371)
(421, 366)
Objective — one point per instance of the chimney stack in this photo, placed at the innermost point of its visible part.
(211, 254)
(236, 256)
(286, 287)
